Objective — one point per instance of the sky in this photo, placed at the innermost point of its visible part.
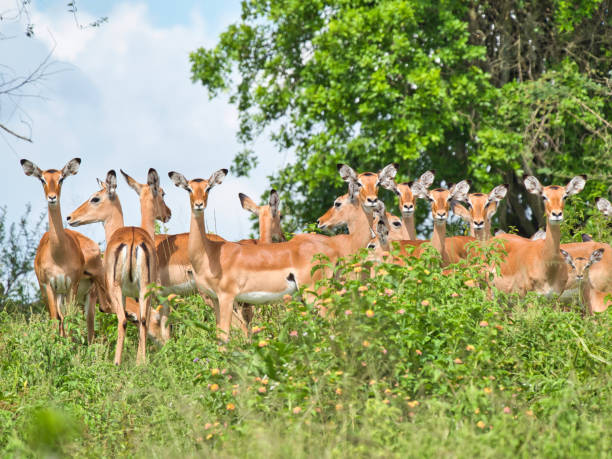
(120, 97)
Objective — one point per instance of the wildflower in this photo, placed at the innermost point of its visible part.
(338, 391)
(372, 382)
(499, 327)
(487, 390)
(384, 351)
(230, 407)
(424, 303)
(196, 360)
(529, 413)
(469, 348)
(401, 311)
(370, 313)
(386, 401)
(454, 294)
(262, 390)
(365, 343)
(383, 272)
(262, 343)
(317, 349)
(256, 330)
(339, 373)
(413, 404)
(419, 281)
(287, 298)
(235, 392)
(507, 410)
(458, 361)
(470, 283)
(348, 312)
(264, 382)
(214, 387)
(387, 391)
(363, 364)
(207, 426)
(477, 411)
(357, 268)
(293, 333)
(171, 297)
(297, 410)
(214, 371)
(418, 352)
(209, 436)
(339, 407)
(480, 424)
(484, 323)
(411, 414)
(426, 271)
(362, 288)
(389, 292)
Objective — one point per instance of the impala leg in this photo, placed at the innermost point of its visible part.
(143, 321)
(90, 313)
(226, 307)
(52, 307)
(59, 302)
(118, 304)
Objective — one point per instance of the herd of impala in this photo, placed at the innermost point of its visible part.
(231, 276)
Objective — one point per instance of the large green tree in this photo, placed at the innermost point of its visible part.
(486, 90)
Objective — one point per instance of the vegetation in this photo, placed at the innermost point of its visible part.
(480, 90)
(410, 361)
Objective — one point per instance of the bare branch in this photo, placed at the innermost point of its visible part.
(13, 133)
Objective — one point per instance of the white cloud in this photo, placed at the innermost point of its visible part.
(126, 101)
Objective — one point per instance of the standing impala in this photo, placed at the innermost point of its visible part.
(480, 210)
(67, 264)
(130, 260)
(407, 202)
(538, 265)
(269, 218)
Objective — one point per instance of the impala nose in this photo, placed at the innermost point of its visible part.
(479, 224)
(441, 215)
(52, 198)
(198, 206)
(557, 215)
(408, 208)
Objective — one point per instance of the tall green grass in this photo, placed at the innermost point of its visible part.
(408, 362)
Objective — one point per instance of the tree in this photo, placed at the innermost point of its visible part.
(481, 90)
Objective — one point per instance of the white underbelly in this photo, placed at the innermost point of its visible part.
(60, 283)
(264, 297)
(186, 288)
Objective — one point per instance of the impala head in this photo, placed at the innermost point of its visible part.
(480, 207)
(368, 182)
(441, 198)
(198, 188)
(553, 195)
(269, 214)
(604, 206)
(339, 214)
(151, 192)
(404, 191)
(99, 206)
(580, 265)
(51, 179)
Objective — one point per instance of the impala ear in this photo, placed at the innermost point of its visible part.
(134, 185)
(532, 184)
(427, 178)
(388, 183)
(498, 193)
(31, 169)
(379, 210)
(539, 234)
(111, 183)
(383, 232)
(499, 232)
(576, 185)
(347, 173)
(71, 167)
(596, 256)
(248, 204)
(604, 206)
(586, 237)
(387, 173)
(568, 258)
(274, 202)
(419, 190)
(179, 180)
(461, 211)
(153, 181)
(217, 178)
(460, 191)
(353, 190)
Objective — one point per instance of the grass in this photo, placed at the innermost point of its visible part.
(410, 363)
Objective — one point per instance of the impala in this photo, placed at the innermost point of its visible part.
(604, 206)
(67, 264)
(480, 210)
(407, 202)
(538, 265)
(130, 260)
(269, 218)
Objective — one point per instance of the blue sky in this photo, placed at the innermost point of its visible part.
(122, 98)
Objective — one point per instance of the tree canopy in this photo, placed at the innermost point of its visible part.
(481, 90)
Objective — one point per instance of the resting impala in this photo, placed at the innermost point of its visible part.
(480, 210)
(269, 218)
(131, 261)
(407, 202)
(538, 265)
(253, 273)
(67, 264)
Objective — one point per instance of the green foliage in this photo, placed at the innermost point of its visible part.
(480, 90)
(18, 244)
(408, 361)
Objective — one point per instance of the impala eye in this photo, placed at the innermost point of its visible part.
(337, 204)
(397, 224)
(371, 246)
(95, 199)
